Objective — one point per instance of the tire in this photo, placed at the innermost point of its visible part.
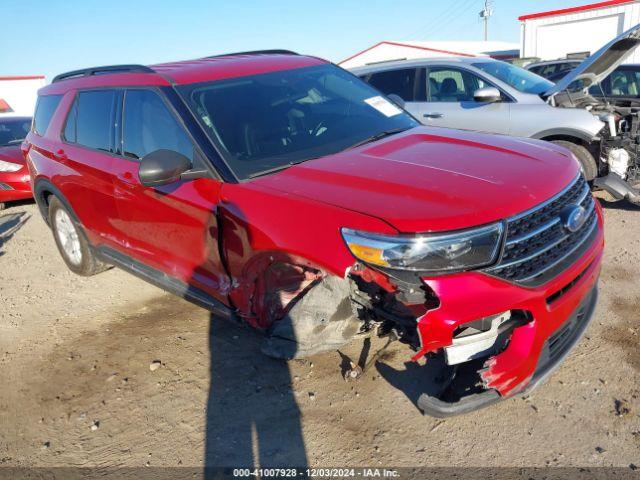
(588, 164)
(71, 241)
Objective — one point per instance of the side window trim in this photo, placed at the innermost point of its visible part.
(421, 81)
(200, 161)
(73, 110)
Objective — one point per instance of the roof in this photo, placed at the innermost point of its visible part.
(183, 72)
(416, 62)
(580, 8)
(218, 68)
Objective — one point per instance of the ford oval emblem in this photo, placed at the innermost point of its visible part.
(573, 218)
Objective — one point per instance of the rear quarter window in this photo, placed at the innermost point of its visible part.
(45, 108)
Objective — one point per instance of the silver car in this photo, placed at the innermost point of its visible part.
(487, 95)
(480, 94)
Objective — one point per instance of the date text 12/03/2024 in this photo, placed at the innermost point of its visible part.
(316, 472)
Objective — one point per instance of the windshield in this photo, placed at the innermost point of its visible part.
(522, 80)
(269, 121)
(13, 131)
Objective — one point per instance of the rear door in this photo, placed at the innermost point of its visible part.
(172, 228)
(450, 102)
(85, 156)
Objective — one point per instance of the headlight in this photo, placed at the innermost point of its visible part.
(9, 167)
(447, 252)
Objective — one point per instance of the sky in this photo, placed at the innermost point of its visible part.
(52, 36)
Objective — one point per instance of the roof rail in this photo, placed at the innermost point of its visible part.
(87, 72)
(256, 52)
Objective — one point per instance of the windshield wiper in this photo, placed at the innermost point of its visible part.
(270, 170)
(279, 167)
(378, 136)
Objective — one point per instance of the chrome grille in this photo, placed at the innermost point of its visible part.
(4, 186)
(537, 243)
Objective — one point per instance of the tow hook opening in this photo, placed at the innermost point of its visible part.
(481, 338)
(458, 367)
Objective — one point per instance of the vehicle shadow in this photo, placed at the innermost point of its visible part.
(415, 379)
(9, 225)
(252, 416)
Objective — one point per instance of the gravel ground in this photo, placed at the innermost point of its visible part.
(111, 371)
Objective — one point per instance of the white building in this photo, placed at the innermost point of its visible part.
(18, 94)
(386, 51)
(582, 29)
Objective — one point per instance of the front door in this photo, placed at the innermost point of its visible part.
(172, 227)
(450, 102)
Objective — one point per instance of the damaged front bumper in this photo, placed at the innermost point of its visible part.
(533, 328)
(553, 352)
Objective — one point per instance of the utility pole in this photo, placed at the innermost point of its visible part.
(485, 13)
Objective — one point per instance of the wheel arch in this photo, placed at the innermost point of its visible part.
(42, 191)
(569, 134)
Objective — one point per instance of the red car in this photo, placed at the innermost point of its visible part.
(281, 190)
(14, 175)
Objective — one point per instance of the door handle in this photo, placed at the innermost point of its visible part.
(60, 155)
(433, 115)
(127, 178)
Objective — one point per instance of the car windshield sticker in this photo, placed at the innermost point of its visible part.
(383, 105)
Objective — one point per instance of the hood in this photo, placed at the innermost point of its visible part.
(433, 179)
(599, 66)
(12, 153)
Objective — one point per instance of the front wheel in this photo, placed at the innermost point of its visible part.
(71, 241)
(588, 164)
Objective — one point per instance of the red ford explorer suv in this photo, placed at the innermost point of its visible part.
(281, 190)
(14, 175)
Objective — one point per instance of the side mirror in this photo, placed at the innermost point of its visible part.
(396, 99)
(487, 95)
(162, 167)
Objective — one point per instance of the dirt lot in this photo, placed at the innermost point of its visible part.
(77, 387)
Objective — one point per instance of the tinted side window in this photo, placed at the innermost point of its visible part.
(547, 70)
(45, 109)
(453, 85)
(150, 126)
(399, 82)
(91, 120)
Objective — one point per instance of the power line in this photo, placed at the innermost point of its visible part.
(450, 14)
(438, 19)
